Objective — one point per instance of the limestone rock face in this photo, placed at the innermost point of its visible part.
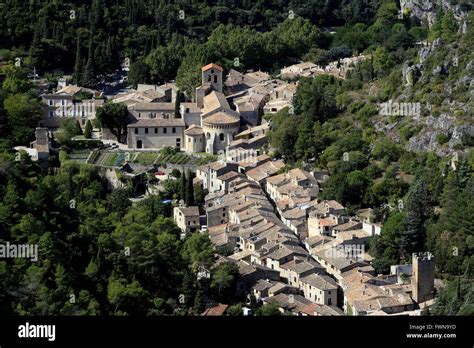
(411, 73)
(425, 10)
(427, 140)
(424, 52)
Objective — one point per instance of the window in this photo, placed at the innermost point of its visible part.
(156, 130)
(215, 78)
(146, 130)
(189, 223)
(221, 137)
(174, 130)
(50, 102)
(164, 130)
(209, 78)
(187, 110)
(51, 113)
(136, 130)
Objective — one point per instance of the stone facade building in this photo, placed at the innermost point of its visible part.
(155, 133)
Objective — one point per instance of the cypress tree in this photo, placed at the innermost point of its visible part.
(99, 60)
(78, 68)
(183, 186)
(36, 51)
(189, 189)
(418, 208)
(88, 130)
(109, 56)
(177, 104)
(89, 69)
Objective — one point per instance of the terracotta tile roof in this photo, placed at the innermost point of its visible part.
(350, 225)
(295, 302)
(265, 170)
(334, 204)
(300, 174)
(216, 310)
(229, 175)
(221, 118)
(211, 66)
(154, 106)
(321, 282)
(189, 211)
(323, 310)
(69, 90)
(194, 130)
(215, 100)
(327, 222)
(262, 285)
(158, 122)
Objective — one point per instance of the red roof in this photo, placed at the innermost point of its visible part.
(309, 309)
(216, 310)
(212, 65)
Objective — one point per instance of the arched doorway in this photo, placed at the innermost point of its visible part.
(139, 144)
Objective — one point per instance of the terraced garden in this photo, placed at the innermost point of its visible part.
(79, 156)
(184, 159)
(117, 158)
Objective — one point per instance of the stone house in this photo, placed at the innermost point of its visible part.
(321, 289)
(187, 218)
(155, 133)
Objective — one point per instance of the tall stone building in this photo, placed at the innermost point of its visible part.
(209, 124)
(422, 279)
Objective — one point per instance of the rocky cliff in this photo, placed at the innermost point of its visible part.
(425, 10)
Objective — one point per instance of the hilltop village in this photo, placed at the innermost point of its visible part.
(293, 250)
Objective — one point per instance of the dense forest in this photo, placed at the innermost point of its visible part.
(98, 254)
(93, 40)
(103, 256)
